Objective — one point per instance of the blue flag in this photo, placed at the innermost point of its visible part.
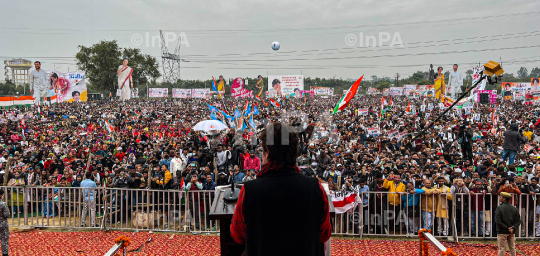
(226, 116)
(248, 110)
(214, 86)
(243, 126)
(236, 113)
(255, 110)
(251, 123)
(212, 108)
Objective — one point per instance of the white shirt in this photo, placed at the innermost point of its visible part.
(38, 80)
(455, 81)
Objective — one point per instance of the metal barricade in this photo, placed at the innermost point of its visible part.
(462, 215)
(469, 216)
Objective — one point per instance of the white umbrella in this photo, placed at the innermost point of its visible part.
(210, 125)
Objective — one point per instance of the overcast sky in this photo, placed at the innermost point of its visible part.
(233, 38)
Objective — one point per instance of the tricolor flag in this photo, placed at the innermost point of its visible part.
(137, 113)
(214, 84)
(348, 96)
(257, 97)
(248, 110)
(251, 123)
(246, 106)
(381, 112)
(275, 103)
(408, 107)
(108, 126)
(391, 102)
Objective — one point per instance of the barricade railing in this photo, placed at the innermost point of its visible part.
(458, 215)
(110, 208)
(377, 213)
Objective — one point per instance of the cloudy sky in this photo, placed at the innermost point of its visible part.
(318, 38)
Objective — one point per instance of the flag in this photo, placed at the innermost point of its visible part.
(244, 126)
(408, 107)
(251, 123)
(212, 108)
(348, 96)
(391, 102)
(275, 103)
(305, 102)
(344, 201)
(248, 110)
(257, 97)
(255, 110)
(108, 126)
(214, 84)
(246, 106)
(137, 113)
(381, 112)
(447, 101)
(236, 113)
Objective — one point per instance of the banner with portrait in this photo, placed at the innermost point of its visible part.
(285, 85)
(158, 92)
(181, 93)
(395, 91)
(67, 87)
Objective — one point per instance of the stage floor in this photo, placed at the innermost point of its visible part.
(40, 242)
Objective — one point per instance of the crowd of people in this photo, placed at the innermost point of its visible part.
(420, 166)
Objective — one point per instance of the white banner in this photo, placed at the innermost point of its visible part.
(200, 93)
(395, 91)
(285, 85)
(158, 92)
(181, 93)
(323, 90)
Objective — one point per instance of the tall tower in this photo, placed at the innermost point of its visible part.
(171, 61)
(19, 68)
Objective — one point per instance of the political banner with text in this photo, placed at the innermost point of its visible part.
(181, 93)
(67, 87)
(200, 93)
(285, 85)
(158, 92)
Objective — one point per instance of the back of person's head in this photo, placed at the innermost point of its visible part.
(514, 127)
(280, 143)
(88, 175)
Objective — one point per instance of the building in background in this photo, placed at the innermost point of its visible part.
(20, 71)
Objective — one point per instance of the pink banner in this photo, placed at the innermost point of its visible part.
(238, 90)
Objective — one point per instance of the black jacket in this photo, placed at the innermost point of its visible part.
(512, 139)
(506, 216)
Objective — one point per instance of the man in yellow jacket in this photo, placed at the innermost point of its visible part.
(444, 195)
(428, 204)
(394, 184)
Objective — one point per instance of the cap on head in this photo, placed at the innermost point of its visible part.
(506, 195)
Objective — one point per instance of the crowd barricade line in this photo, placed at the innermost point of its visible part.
(188, 211)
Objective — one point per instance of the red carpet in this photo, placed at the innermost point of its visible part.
(97, 243)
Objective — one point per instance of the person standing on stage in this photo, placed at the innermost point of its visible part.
(271, 220)
(507, 220)
(38, 83)
(125, 80)
(4, 226)
(455, 81)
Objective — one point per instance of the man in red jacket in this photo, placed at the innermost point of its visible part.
(252, 162)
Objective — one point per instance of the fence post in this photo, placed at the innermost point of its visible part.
(25, 207)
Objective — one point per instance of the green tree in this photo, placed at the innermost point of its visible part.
(535, 72)
(522, 73)
(101, 61)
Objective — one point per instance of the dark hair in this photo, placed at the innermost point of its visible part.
(535, 79)
(75, 92)
(511, 179)
(88, 175)
(439, 68)
(276, 81)
(37, 62)
(533, 178)
(260, 76)
(456, 65)
(281, 148)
